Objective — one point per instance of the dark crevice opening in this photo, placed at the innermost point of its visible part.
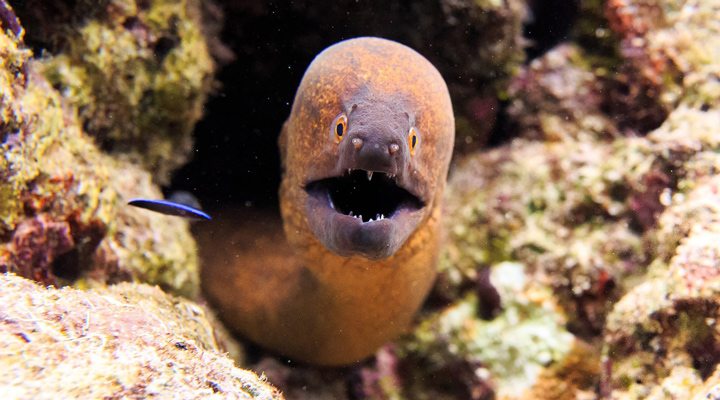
(490, 300)
(236, 161)
(67, 266)
(549, 22)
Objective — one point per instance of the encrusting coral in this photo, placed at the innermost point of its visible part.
(128, 340)
(138, 72)
(514, 346)
(64, 221)
(665, 328)
(63, 217)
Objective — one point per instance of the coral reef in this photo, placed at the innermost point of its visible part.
(593, 208)
(559, 95)
(662, 337)
(602, 212)
(582, 216)
(63, 217)
(510, 349)
(66, 343)
(137, 72)
(581, 259)
(64, 221)
(673, 45)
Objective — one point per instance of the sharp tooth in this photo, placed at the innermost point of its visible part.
(349, 171)
(369, 175)
(351, 214)
(377, 217)
(382, 216)
(360, 217)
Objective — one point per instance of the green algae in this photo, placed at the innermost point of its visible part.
(139, 77)
(596, 216)
(59, 189)
(674, 45)
(513, 347)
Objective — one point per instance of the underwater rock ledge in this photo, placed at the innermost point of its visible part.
(128, 340)
(63, 213)
(137, 72)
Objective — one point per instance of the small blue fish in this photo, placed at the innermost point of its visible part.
(170, 208)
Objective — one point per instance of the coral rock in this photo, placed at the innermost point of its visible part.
(138, 72)
(63, 217)
(662, 338)
(126, 341)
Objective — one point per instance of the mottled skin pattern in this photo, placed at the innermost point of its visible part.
(293, 295)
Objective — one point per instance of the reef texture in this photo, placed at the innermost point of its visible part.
(582, 257)
(63, 217)
(138, 72)
(127, 341)
(662, 338)
(595, 199)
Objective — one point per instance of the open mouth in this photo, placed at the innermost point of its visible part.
(362, 213)
(366, 195)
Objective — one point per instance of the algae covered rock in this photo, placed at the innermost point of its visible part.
(129, 340)
(559, 96)
(509, 350)
(138, 72)
(662, 337)
(64, 218)
(63, 212)
(673, 44)
(594, 199)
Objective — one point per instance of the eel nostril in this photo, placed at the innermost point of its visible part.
(393, 148)
(357, 142)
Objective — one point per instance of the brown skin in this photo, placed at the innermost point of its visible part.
(334, 289)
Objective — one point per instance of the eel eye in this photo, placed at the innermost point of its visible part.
(412, 140)
(339, 127)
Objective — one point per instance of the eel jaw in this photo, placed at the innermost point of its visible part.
(366, 213)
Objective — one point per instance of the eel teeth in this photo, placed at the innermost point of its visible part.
(332, 205)
(369, 174)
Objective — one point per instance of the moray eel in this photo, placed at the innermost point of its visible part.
(365, 155)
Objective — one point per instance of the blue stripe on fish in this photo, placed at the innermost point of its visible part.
(170, 208)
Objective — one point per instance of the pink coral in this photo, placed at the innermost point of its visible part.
(36, 243)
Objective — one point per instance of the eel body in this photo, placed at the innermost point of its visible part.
(365, 155)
